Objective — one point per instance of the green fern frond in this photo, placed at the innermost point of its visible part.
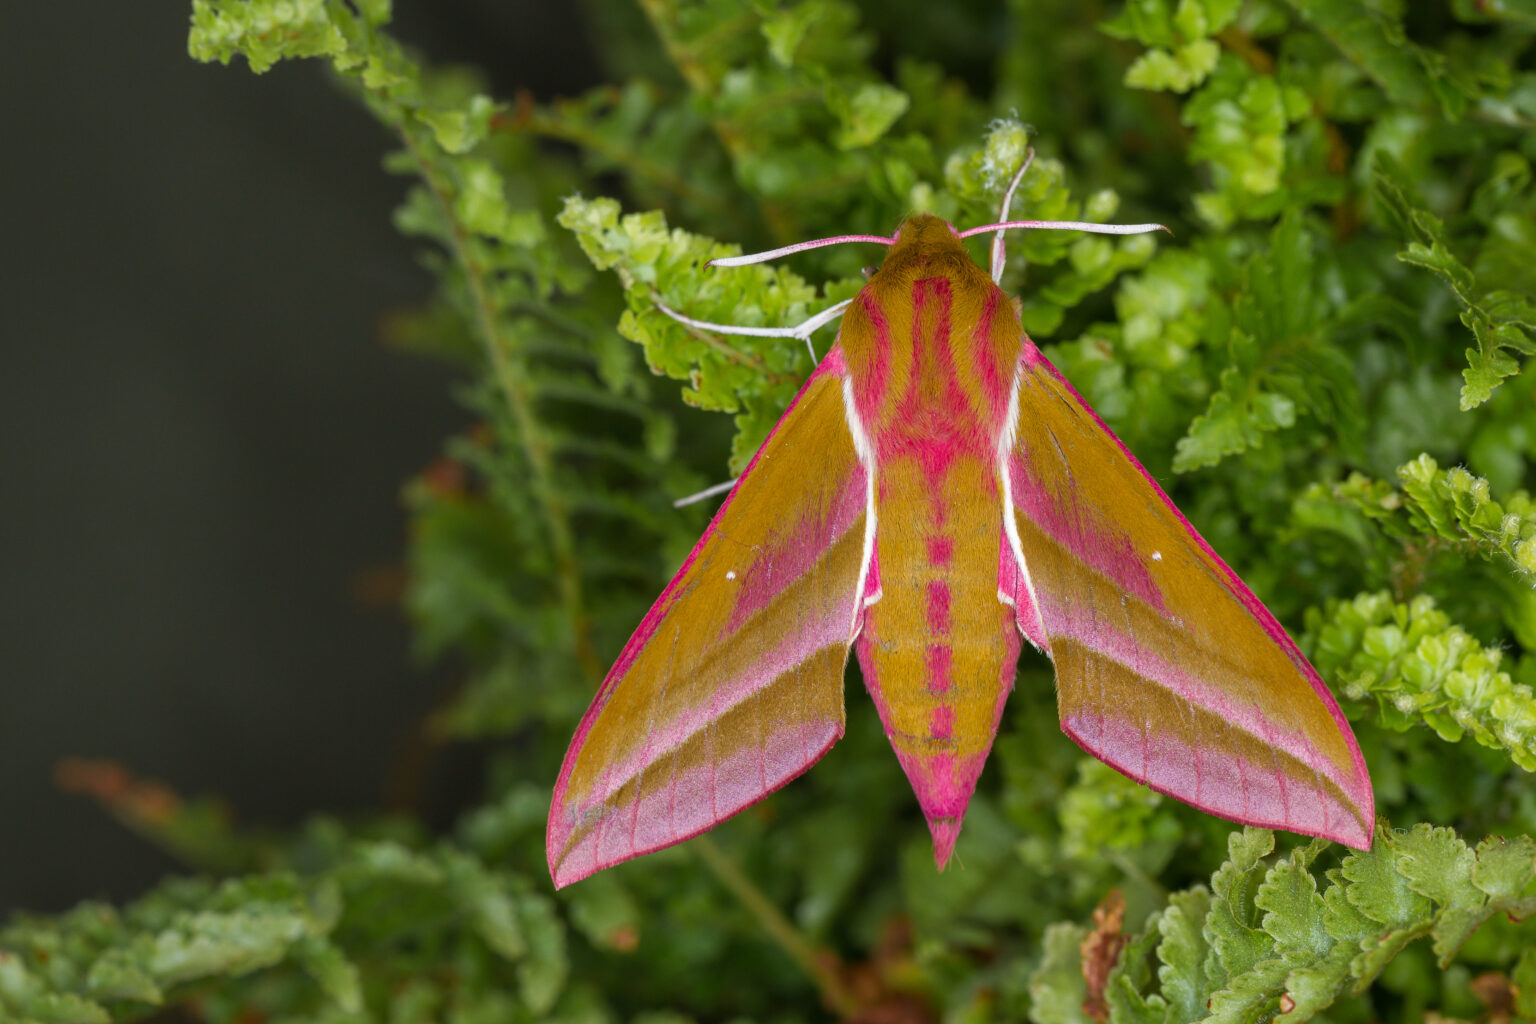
(1285, 357)
(291, 938)
(1435, 510)
(1283, 941)
(725, 372)
(543, 348)
(1502, 321)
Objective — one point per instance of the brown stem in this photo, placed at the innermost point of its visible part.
(1241, 44)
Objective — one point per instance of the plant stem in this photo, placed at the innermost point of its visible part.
(514, 386)
(779, 928)
(662, 15)
(549, 123)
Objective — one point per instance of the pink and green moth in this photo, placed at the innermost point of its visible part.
(936, 494)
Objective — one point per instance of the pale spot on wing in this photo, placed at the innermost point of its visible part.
(687, 742)
(1284, 776)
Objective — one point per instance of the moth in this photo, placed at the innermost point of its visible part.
(936, 495)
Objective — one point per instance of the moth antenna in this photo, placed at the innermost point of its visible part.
(802, 330)
(999, 253)
(816, 243)
(1068, 225)
(707, 492)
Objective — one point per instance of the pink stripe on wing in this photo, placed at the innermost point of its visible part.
(690, 816)
(834, 364)
(827, 630)
(1100, 636)
(1088, 538)
(787, 556)
(566, 816)
(1227, 785)
(1033, 359)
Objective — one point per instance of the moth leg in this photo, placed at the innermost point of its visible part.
(999, 256)
(801, 330)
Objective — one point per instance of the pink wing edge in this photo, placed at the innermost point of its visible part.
(1361, 839)
(557, 831)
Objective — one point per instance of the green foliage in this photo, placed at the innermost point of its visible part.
(753, 377)
(1501, 320)
(1438, 530)
(1282, 352)
(1267, 942)
(1436, 510)
(278, 941)
(1350, 193)
(1419, 667)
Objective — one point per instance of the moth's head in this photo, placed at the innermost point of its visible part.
(924, 230)
(924, 244)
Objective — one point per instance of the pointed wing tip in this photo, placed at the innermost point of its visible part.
(1356, 834)
(570, 862)
(562, 876)
(562, 872)
(1359, 828)
(559, 873)
(557, 852)
(1359, 838)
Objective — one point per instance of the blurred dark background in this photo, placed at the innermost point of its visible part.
(204, 440)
